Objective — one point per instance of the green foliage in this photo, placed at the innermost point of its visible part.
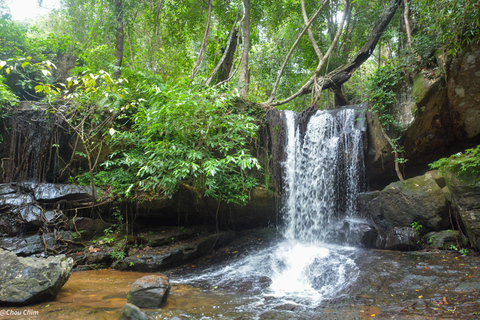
(186, 136)
(117, 255)
(462, 251)
(447, 23)
(416, 226)
(6, 95)
(380, 87)
(465, 165)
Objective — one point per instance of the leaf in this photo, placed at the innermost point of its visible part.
(26, 63)
(45, 72)
(7, 70)
(2, 64)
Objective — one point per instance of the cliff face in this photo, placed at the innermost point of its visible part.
(440, 115)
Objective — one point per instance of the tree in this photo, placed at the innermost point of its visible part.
(119, 38)
(244, 78)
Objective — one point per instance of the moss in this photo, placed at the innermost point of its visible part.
(420, 88)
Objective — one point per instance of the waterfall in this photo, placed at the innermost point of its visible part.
(324, 172)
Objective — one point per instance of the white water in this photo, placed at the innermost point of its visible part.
(323, 174)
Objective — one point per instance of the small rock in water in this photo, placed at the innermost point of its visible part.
(133, 312)
(149, 291)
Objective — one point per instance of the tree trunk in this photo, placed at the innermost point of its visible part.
(119, 39)
(201, 54)
(224, 66)
(244, 80)
(408, 25)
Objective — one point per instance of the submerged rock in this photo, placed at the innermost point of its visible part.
(132, 312)
(149, 291)
(31, 280)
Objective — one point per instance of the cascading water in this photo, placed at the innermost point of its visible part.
(323, 175)
(323, 172)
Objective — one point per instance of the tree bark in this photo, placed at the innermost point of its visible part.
(343, 74)
(244, 79)
(408, 27)
(119, 39)
(204, 43)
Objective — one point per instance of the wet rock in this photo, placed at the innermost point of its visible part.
(355, 232)
(466, 198)
(132, 312)
(418, 199)
(31, 215)
(260, 211)
(10, 223)
(403, 239)
(88, 228)
(153, 259)
(149, 291)
(445, 239)
(16, 199)
(46, 192)
(26, 246)
(31, 280)
(6, 188)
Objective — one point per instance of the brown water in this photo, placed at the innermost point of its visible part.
(101, 294)
(391, 285)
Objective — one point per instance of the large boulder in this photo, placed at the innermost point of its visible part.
(31, 280)
(466, 198)
(149, 291)
(419, 199)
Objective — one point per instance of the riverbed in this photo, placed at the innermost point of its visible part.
(430, 284)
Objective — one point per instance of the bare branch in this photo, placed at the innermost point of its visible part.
(343, 74)
(309, 30)
(320, 64)
(282, 69)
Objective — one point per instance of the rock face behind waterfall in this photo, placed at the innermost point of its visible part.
(30, 280)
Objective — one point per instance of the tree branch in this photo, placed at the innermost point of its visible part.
(321, 63)
(339, 76)
(309, 30)
(282, 69)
